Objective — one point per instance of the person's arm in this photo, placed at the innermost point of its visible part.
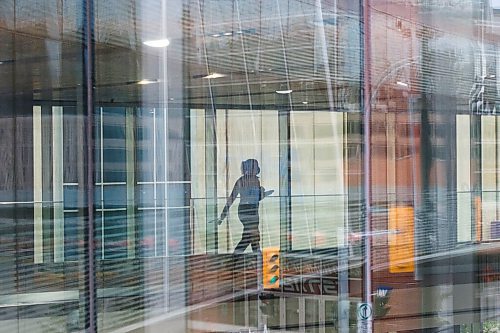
(230, 200)
(264, 193)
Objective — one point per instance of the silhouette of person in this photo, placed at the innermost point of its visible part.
(251, 193)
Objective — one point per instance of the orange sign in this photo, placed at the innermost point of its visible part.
(402, 241)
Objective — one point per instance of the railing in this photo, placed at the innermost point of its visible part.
(315, 221)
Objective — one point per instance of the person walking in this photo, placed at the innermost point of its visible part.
(251, 193)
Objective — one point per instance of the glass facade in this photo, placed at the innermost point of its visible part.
(250, 166)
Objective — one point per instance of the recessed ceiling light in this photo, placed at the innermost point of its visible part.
(215, 35)
(402, 84)
(228, 33)
(157, 43)
(284, 92)
(214, 76)
(147, 81)
(304, 102)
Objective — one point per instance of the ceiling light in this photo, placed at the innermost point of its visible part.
(284, 92)
(214, 76)
(215, 35)
(228, 33)
(304, 102)
(157, 43)
(147, 81)
(402, 84)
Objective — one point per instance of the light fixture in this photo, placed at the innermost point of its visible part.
(157, 43)
(284, 92)
(214, 76)
(147, 81)
(305, 102)
(402, 84)
(215, 35)
(228, 33)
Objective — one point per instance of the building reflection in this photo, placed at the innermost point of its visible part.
(119, 151)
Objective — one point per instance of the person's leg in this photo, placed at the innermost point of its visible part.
(245, 214)
(255, 239)
(255, 246)
(244, 242)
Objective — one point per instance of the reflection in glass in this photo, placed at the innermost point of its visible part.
(124, 125)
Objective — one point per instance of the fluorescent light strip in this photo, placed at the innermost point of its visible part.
(214, 76)
(147, 81)
(157, 43)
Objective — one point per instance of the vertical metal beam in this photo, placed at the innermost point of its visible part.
(47, 169)
(57, 182)
(37, 185)
(155, 183)
(212, 237)
(426, 228)
(343, 283)
(324, 49)
(165, 142)
(88, 108)
(284, 178)
(366, 75)
(285, 107)
(366, 104)
(130, 167)
(210, 154)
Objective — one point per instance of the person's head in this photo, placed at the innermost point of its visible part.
(250, 167)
